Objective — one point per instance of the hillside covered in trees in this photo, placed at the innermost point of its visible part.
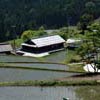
(17, 16)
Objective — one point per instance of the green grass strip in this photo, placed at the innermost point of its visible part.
(35, 63)
(51, 83)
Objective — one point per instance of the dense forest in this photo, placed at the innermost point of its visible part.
(17, 16)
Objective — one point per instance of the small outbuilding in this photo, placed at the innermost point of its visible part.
(42, 46)
(73, 43)
(5, 48)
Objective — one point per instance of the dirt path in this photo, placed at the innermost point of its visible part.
(87, 76)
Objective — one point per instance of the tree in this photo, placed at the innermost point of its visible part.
(90, 8)
(41, 31)
(27, 35)
(94, 35)
(31, 14)
(63, 32)
(85, 20)
(88, 16)
(89, 48)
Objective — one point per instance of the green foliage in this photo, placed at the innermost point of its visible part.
(94, 34)
(66, 32)
(95, 26)
(88, 16)
(85, 48)
(88, 93)
(53, 83)
(85, 20)
(76, 67)
(27, 34)
(33, 34)
(89, 48)
(90, 7)
(17, 42)
(29, 15)
(41, 31)
(72, 57)
(63, 32)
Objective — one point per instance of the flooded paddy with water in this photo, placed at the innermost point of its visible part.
(50, 93)
(41, 93)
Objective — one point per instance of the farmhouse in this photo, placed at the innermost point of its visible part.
(42, 46)
(5, 48)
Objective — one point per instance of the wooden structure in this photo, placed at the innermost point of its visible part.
(5, 48)
(43, 45)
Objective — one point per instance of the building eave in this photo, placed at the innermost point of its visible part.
(25, 44)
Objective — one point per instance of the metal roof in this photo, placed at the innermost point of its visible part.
(50, 40)
(73, 40)
(5, 48)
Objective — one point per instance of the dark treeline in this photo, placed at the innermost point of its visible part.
(19, 15)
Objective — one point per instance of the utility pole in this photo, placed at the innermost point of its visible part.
(14, 37)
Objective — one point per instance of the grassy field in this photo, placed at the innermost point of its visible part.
(72, 57)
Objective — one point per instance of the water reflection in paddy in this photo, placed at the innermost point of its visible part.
(50, 93)
(10, 58)
(55, 57)
(18, 74)
(40, 65)
(36, 93)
